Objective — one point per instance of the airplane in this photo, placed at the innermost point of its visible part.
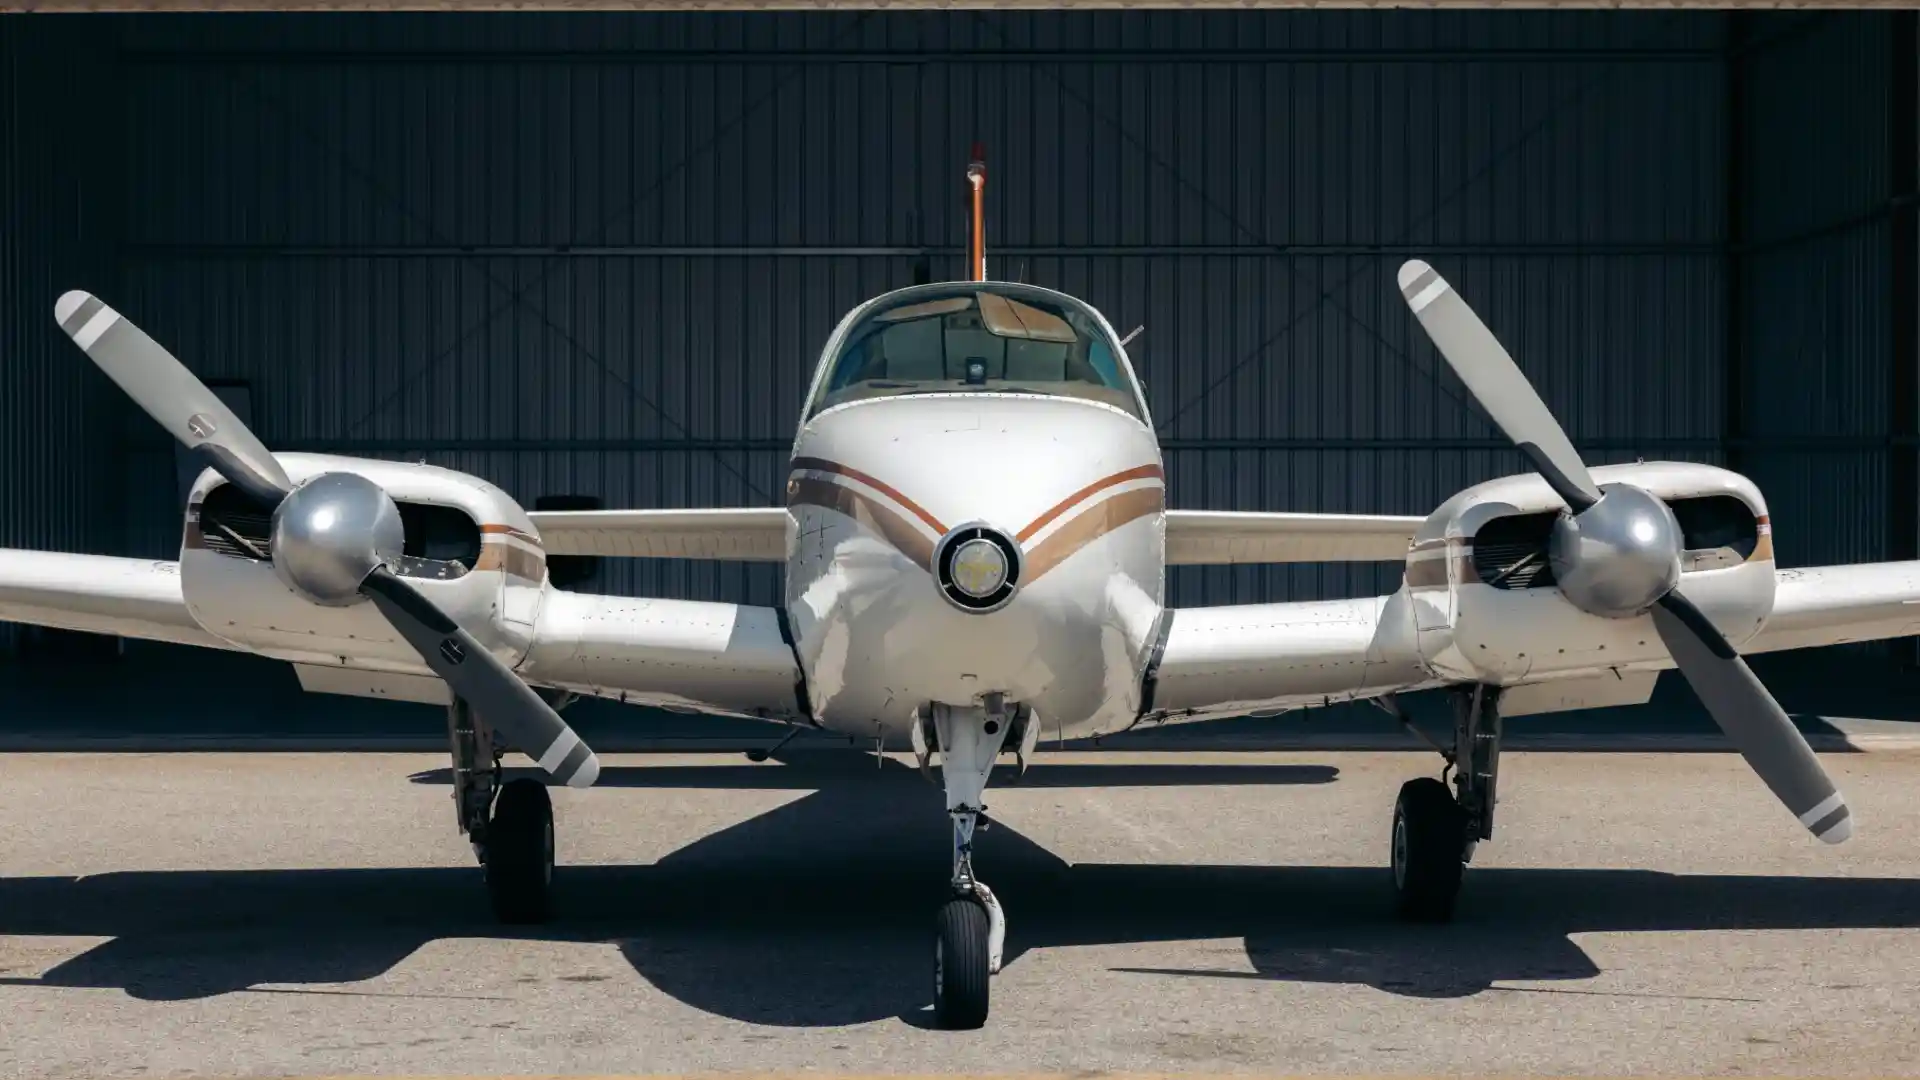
(976, 540)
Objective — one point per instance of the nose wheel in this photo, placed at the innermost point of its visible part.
(970, 929)
(961, 967)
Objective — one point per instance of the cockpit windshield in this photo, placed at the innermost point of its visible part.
(977, 340)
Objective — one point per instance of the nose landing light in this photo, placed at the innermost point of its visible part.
(977, 567)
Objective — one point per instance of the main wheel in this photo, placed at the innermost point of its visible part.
(520, 853)
(960, 965)
(1429, 850)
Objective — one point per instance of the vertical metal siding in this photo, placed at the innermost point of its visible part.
(58, 480)
(1814, 300)
(483, 240)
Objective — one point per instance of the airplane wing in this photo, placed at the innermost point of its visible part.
(1835, 605)
(742, 535)
(1251, 658)
(727, 659)
(101, 594)
(1213, 537)
(730, 659)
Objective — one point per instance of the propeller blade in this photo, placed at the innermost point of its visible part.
(1496, 382)
(169, 393)
(477, 675)
(1751, 718)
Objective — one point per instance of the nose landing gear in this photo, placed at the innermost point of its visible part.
(971, 929)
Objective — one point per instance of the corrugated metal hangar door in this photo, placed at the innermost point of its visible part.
(594, 256)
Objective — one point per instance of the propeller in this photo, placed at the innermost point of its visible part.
(336, 538)
(1616, 554)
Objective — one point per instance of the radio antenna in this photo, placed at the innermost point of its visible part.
(977, 233)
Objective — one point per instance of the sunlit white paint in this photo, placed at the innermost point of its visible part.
(868, 640)
(245, 603)
(875, 638)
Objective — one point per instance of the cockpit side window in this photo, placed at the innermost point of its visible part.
(977, 341)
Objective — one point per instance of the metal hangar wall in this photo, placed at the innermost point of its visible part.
(597, 254)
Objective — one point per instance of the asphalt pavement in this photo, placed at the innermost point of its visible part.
(299, 914)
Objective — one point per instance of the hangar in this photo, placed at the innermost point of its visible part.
(592, 255)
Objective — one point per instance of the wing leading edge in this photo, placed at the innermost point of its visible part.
(1223, 537)
(754, 534)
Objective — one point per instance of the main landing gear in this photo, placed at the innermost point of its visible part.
(512, 835)
(970, 930)
(1435, 830)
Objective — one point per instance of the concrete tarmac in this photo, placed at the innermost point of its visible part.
(288, 913)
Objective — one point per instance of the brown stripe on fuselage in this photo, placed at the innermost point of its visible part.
(1090, 525)
(1763, 545)
(891, 492)
(1143, 472)
(896, 530)
(1078, 531)
(508, 530)
(516, 561)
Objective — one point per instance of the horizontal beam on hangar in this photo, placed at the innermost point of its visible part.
(1798, 444)
(906, 5)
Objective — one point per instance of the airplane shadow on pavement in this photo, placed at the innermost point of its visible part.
(820, 912)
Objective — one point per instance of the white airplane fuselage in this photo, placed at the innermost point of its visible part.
(874, 486)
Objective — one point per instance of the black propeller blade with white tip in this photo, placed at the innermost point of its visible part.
(478, 676)
(156, 381)
(1736, 699)
(1753, 720)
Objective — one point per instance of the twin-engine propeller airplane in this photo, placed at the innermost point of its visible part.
(976, 540)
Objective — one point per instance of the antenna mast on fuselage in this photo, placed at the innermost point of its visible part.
(977, 203)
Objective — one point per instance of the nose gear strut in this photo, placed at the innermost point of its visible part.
(972, 928)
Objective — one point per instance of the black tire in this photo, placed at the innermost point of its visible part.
(960, 966)
(520, 853)
(1429, 851)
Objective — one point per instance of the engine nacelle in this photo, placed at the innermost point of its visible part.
(1487, 606)
(462, 542)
